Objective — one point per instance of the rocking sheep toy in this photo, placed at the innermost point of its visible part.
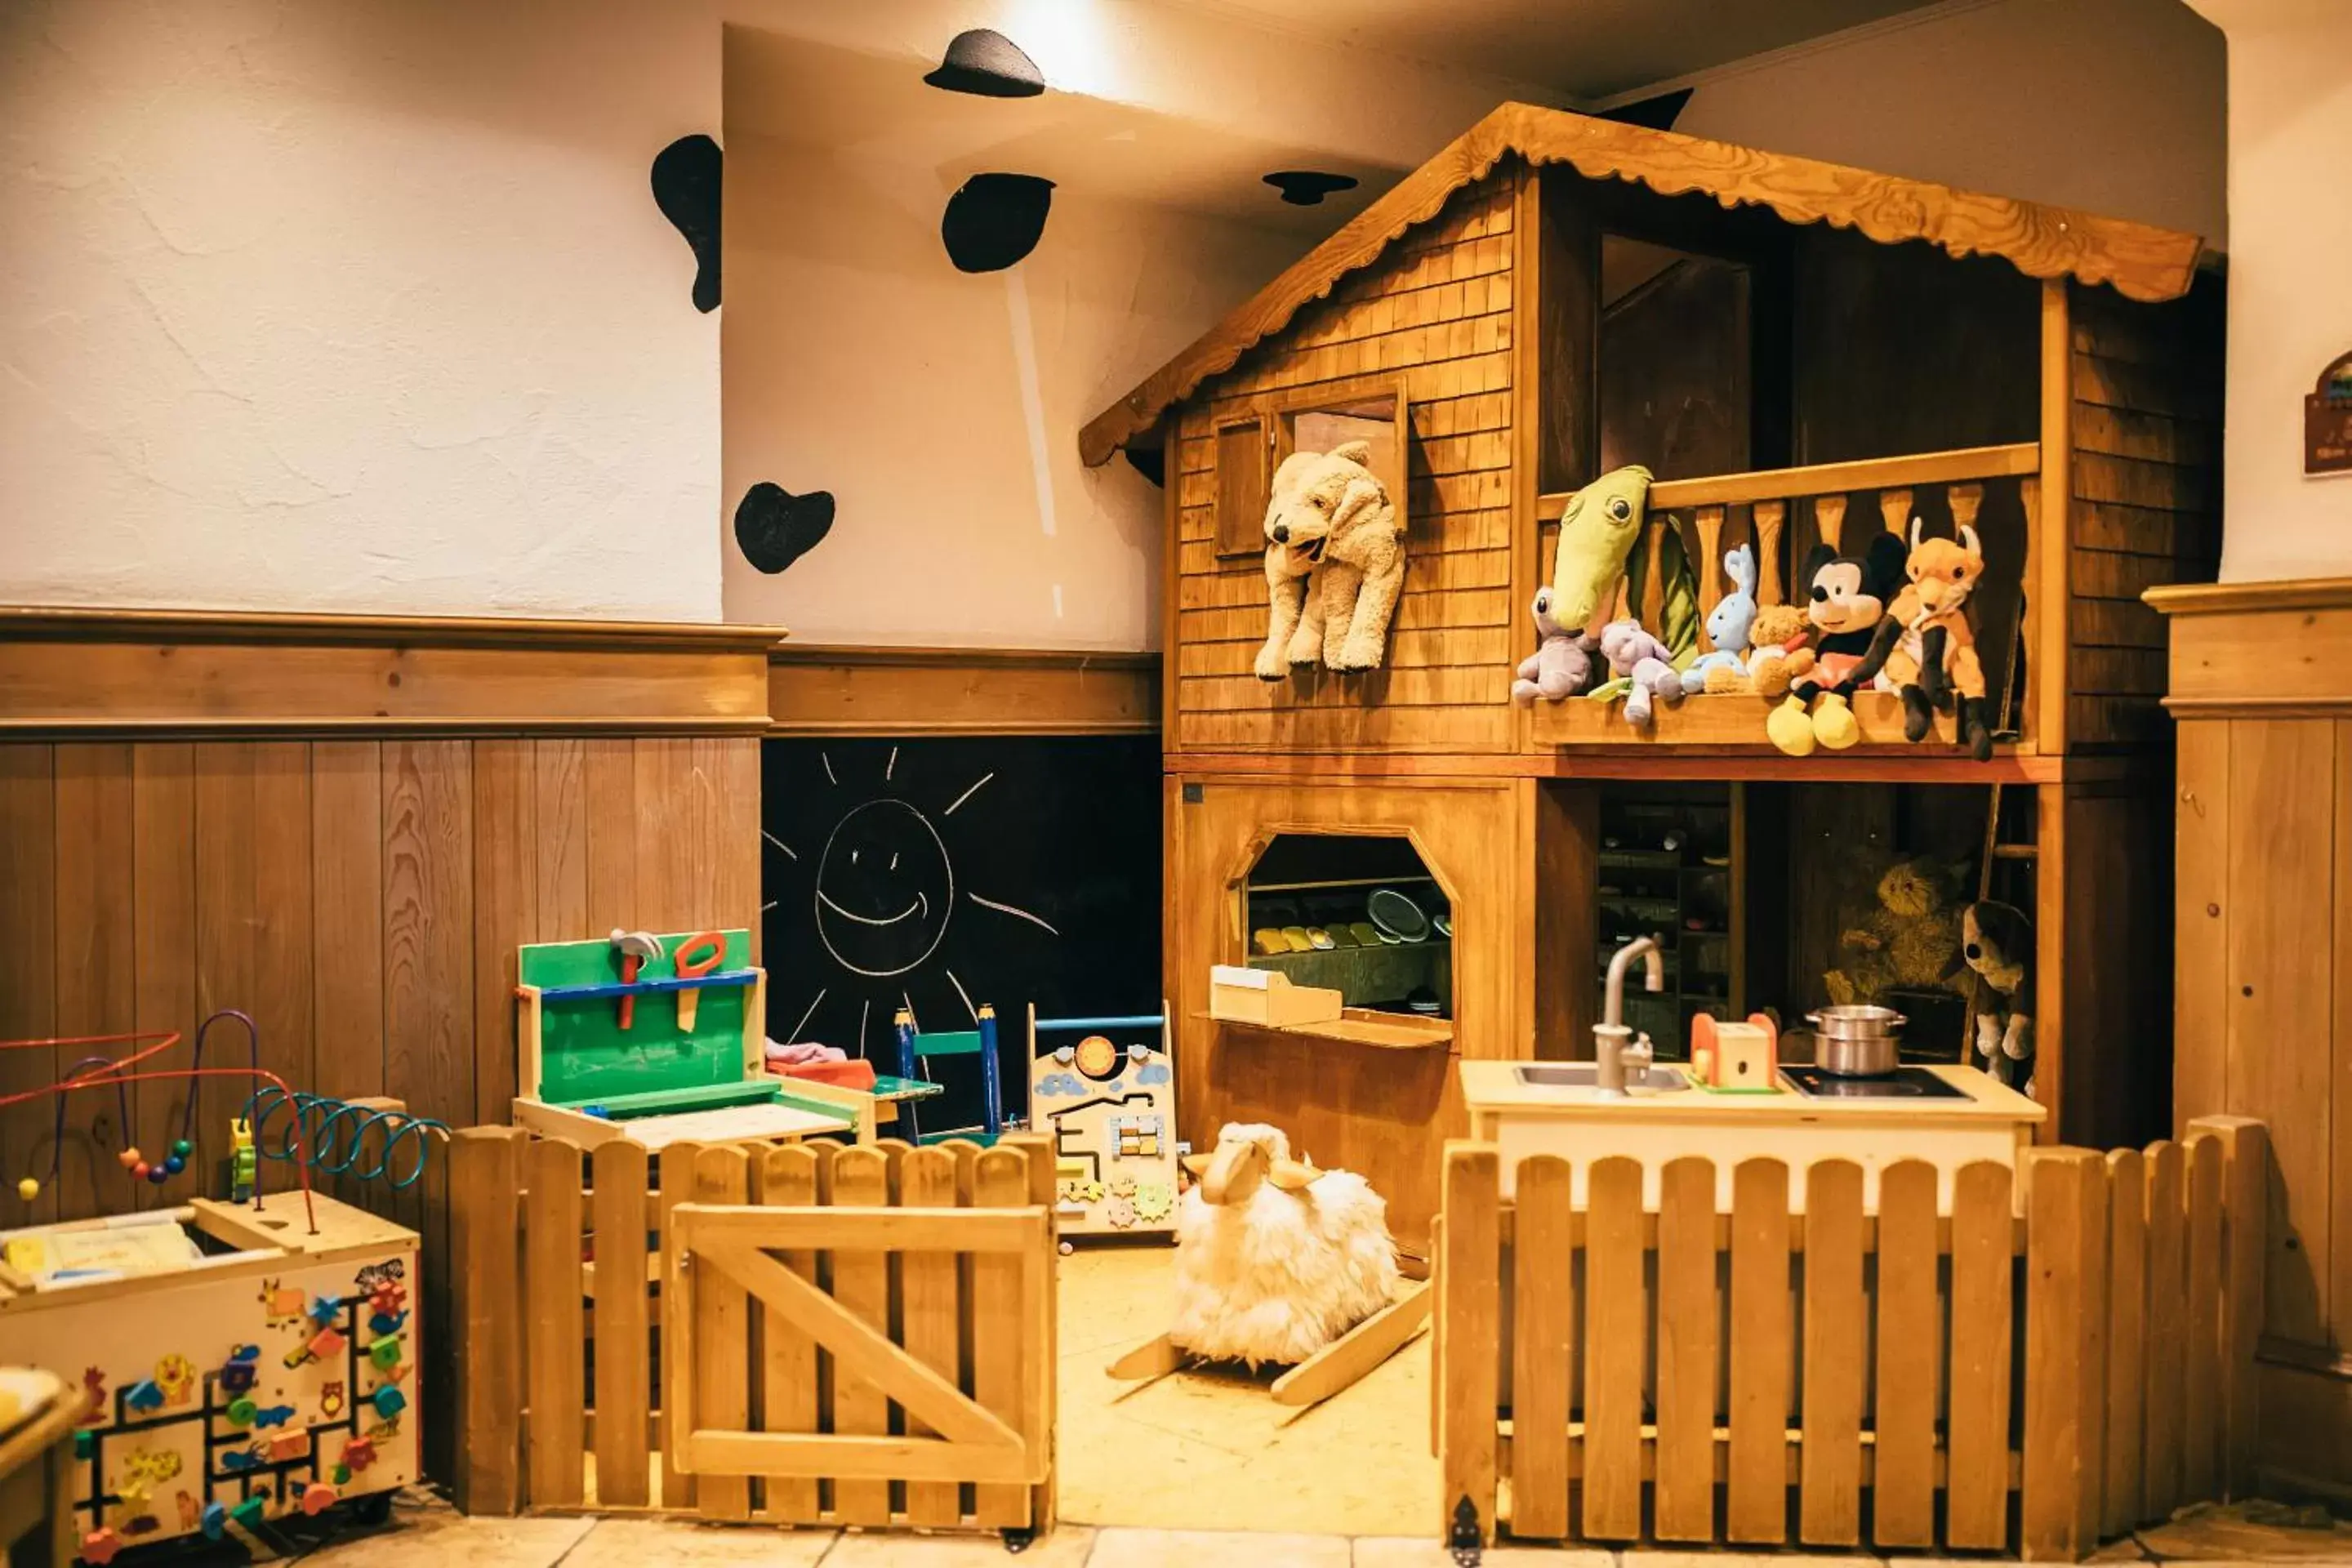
(1279, 1262)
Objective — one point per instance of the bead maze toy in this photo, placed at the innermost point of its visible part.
(619, 1038)
(234, 1361)
(1106, 1089)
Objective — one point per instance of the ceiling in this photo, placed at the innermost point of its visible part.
(1587, 49)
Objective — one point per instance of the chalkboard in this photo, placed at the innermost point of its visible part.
(942, 874)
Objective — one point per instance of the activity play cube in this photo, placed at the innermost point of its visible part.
(235, 1365)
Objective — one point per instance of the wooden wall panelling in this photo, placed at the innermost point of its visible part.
(286, 933)
(506, 910)
(560, 866)
(29, 956)
(163, 926)
(136, 671)
(428, 945)
(2281, 1040)
(96, 977)
(608, 794)
(817, 689)
(228, 918)
(347, 867)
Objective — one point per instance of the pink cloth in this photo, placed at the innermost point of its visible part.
(803, 1053)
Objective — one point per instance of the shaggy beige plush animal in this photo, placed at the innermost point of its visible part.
(1334, 562)
(1275, 1259)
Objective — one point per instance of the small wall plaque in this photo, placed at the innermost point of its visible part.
(2327, 421)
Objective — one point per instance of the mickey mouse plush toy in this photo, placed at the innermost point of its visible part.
(1852, 638)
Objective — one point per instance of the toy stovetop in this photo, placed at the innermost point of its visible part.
(682, 1070)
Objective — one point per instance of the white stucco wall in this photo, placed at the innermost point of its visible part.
(364, 305)
(2290, 279)
(354, 305)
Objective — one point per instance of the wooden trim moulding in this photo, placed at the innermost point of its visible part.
(2224, 598)
(826, 689)
(85, 672)
(2143, 263)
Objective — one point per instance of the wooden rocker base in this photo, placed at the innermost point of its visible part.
(1336, 1366)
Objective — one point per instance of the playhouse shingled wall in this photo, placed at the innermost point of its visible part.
(1435, 309)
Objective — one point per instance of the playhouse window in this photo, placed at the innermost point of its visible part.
(1676, 373)
(1356, 914)
(1252, 444)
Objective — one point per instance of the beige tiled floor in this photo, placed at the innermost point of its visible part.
(425, 1532)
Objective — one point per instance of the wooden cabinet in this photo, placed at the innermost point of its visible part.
(2263, 987)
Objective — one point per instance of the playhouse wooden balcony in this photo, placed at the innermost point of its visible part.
(1783, 513)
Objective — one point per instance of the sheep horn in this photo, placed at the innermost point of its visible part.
(1293, 1175)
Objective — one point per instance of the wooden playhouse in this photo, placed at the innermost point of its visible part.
(1800, 352)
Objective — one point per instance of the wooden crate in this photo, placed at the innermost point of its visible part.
(2071, 1358)
(649, 1339)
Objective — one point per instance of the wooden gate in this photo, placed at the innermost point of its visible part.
(805, 1335)
(719, 1259)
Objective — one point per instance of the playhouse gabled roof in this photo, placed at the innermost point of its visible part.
(2142, 262)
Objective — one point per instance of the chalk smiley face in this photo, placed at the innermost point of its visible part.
(885, 889)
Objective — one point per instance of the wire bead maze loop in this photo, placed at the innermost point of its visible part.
(334, 1136)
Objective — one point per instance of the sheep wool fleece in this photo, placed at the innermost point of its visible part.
(1280, 1277)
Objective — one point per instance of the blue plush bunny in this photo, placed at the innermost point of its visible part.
(1728, 625)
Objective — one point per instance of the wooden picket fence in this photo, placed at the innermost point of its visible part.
(810, 1335)
(2029, 1371)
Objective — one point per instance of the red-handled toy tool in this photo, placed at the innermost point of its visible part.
(695, 968)
(634, 947)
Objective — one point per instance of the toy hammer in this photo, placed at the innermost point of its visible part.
(634, 947)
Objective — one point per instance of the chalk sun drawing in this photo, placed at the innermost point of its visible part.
(883, 896)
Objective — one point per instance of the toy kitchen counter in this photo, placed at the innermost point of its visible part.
(1946, 1116)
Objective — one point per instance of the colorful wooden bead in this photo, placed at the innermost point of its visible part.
(177, 1163)
(129, 1158)
(28, 1189)
(157, 1175)
(183, 1148)
(140, 1170)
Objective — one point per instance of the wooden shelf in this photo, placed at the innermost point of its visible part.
(1734, 722)
(1362, 1027)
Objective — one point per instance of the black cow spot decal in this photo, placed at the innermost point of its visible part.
(1308, 187)
(986, 62)
(775, 528)
(686, 188)
(994, 220)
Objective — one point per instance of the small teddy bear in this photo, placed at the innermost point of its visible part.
(1644, 667)
(1778, 649)
(1561, 667)
(1728, 625)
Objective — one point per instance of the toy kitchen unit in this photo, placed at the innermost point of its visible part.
(1736, 1101)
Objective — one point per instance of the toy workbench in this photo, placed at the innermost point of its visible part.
(233, 1366)
(654, 1038)
(1104, 1090)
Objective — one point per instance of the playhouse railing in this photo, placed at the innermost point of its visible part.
(806, 1334)
(2053, 1367)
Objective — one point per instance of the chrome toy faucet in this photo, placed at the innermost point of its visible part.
(1610, 1053)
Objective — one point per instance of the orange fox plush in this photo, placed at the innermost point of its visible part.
(1935, 656)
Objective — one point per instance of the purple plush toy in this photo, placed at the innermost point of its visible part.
(1637, 656)
(1560, 667)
